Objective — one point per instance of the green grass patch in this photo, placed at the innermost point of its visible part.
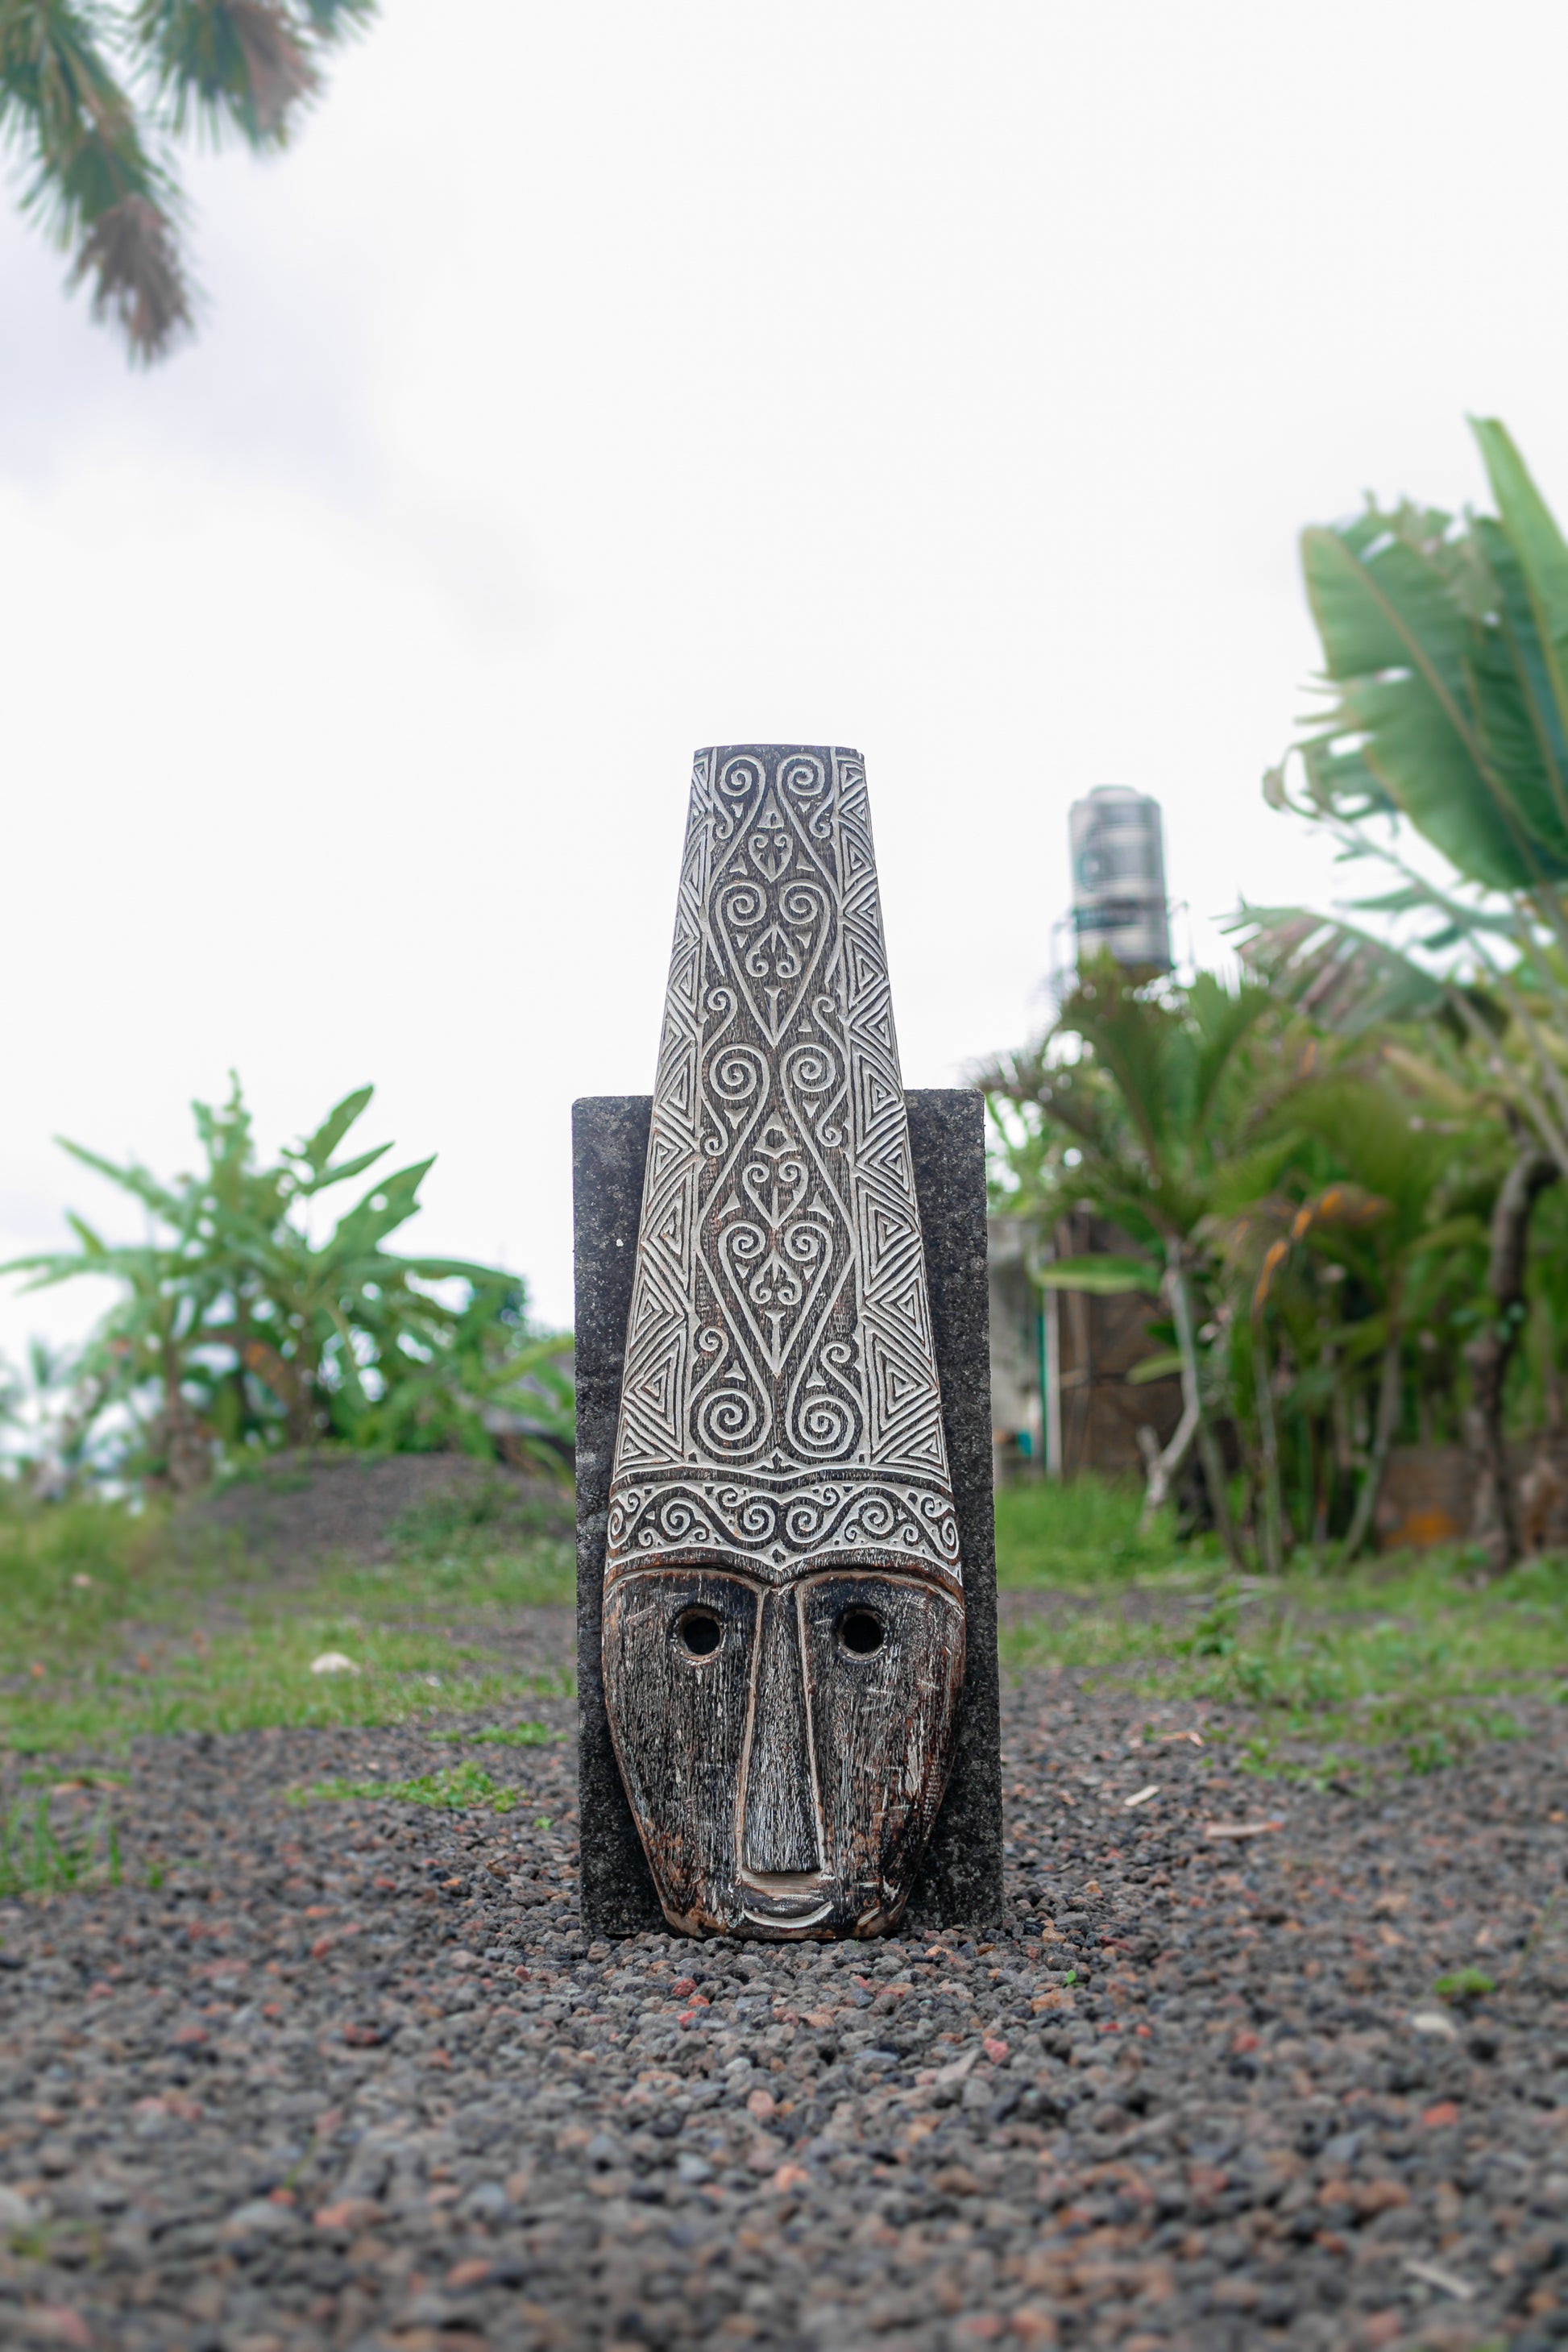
(497, 1735)
(544, 1576)
(1403, 1656)
(39, 1856)
(260, 1675)
(1089, 1634)
(70, 1573)
(461, 1788)
(488, 1540)
(1087, 1531)
(115, 1624)
(1465, 1984)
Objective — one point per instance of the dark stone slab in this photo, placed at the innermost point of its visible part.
(960, 1883)
(609, 1150)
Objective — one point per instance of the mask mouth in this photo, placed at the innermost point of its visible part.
(784, 1898)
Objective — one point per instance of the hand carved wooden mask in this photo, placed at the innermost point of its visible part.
(783, 1634)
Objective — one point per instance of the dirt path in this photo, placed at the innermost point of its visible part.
(349, 2076)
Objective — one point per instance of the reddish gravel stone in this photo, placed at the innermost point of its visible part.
(1177, 2105)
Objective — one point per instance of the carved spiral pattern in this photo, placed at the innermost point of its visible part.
(780, 1327)
(817, 1520)
(729, 1421)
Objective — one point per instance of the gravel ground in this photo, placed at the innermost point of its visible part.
(350, 2075)
(304, 1508)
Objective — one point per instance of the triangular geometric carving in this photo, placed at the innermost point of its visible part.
(780, 1401)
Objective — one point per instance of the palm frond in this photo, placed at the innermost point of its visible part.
(225, 66)
(93, 180)
(1344, 978)
(131, 260)
(337, 20)
(95, 171)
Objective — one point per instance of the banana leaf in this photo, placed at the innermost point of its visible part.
(1446, 648)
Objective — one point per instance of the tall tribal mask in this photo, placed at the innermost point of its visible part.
(783, 1634)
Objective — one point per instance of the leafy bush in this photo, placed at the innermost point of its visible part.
(237, 1332)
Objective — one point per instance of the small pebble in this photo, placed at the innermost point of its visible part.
(351, 2073)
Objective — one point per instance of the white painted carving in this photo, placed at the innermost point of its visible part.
(780, 1400)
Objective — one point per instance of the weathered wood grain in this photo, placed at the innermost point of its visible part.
(784, 1750)
(959, 1879)
(882, 1729)
(781, 1414)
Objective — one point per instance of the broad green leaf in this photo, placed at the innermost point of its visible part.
(318, 1148)
(1516, 710)
(1341, 783)
(391, 1203)
(346, 1169)
(1536, 540)
(1380, 607)
(1400, 645)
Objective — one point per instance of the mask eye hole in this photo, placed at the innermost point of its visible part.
(860, 1632)
(698, 1633)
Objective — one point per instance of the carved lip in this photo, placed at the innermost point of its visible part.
(793, 1899)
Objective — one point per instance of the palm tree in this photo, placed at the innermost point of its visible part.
(1303, 1215)
(93, 97)
(1383, 1219)
(1154, 1121)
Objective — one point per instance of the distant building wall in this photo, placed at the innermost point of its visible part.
(1428, 1492)
(1099, 1342)
(1017, 1427)
(1060, 1397)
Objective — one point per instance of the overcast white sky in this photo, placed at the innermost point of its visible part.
(595, 382)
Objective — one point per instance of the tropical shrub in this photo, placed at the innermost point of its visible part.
(1318, 1237)
(1443, 757)
(237, 1332)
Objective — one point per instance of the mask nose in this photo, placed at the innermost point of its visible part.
(779, 1835)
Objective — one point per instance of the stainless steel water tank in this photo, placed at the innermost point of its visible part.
(1119, 878)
